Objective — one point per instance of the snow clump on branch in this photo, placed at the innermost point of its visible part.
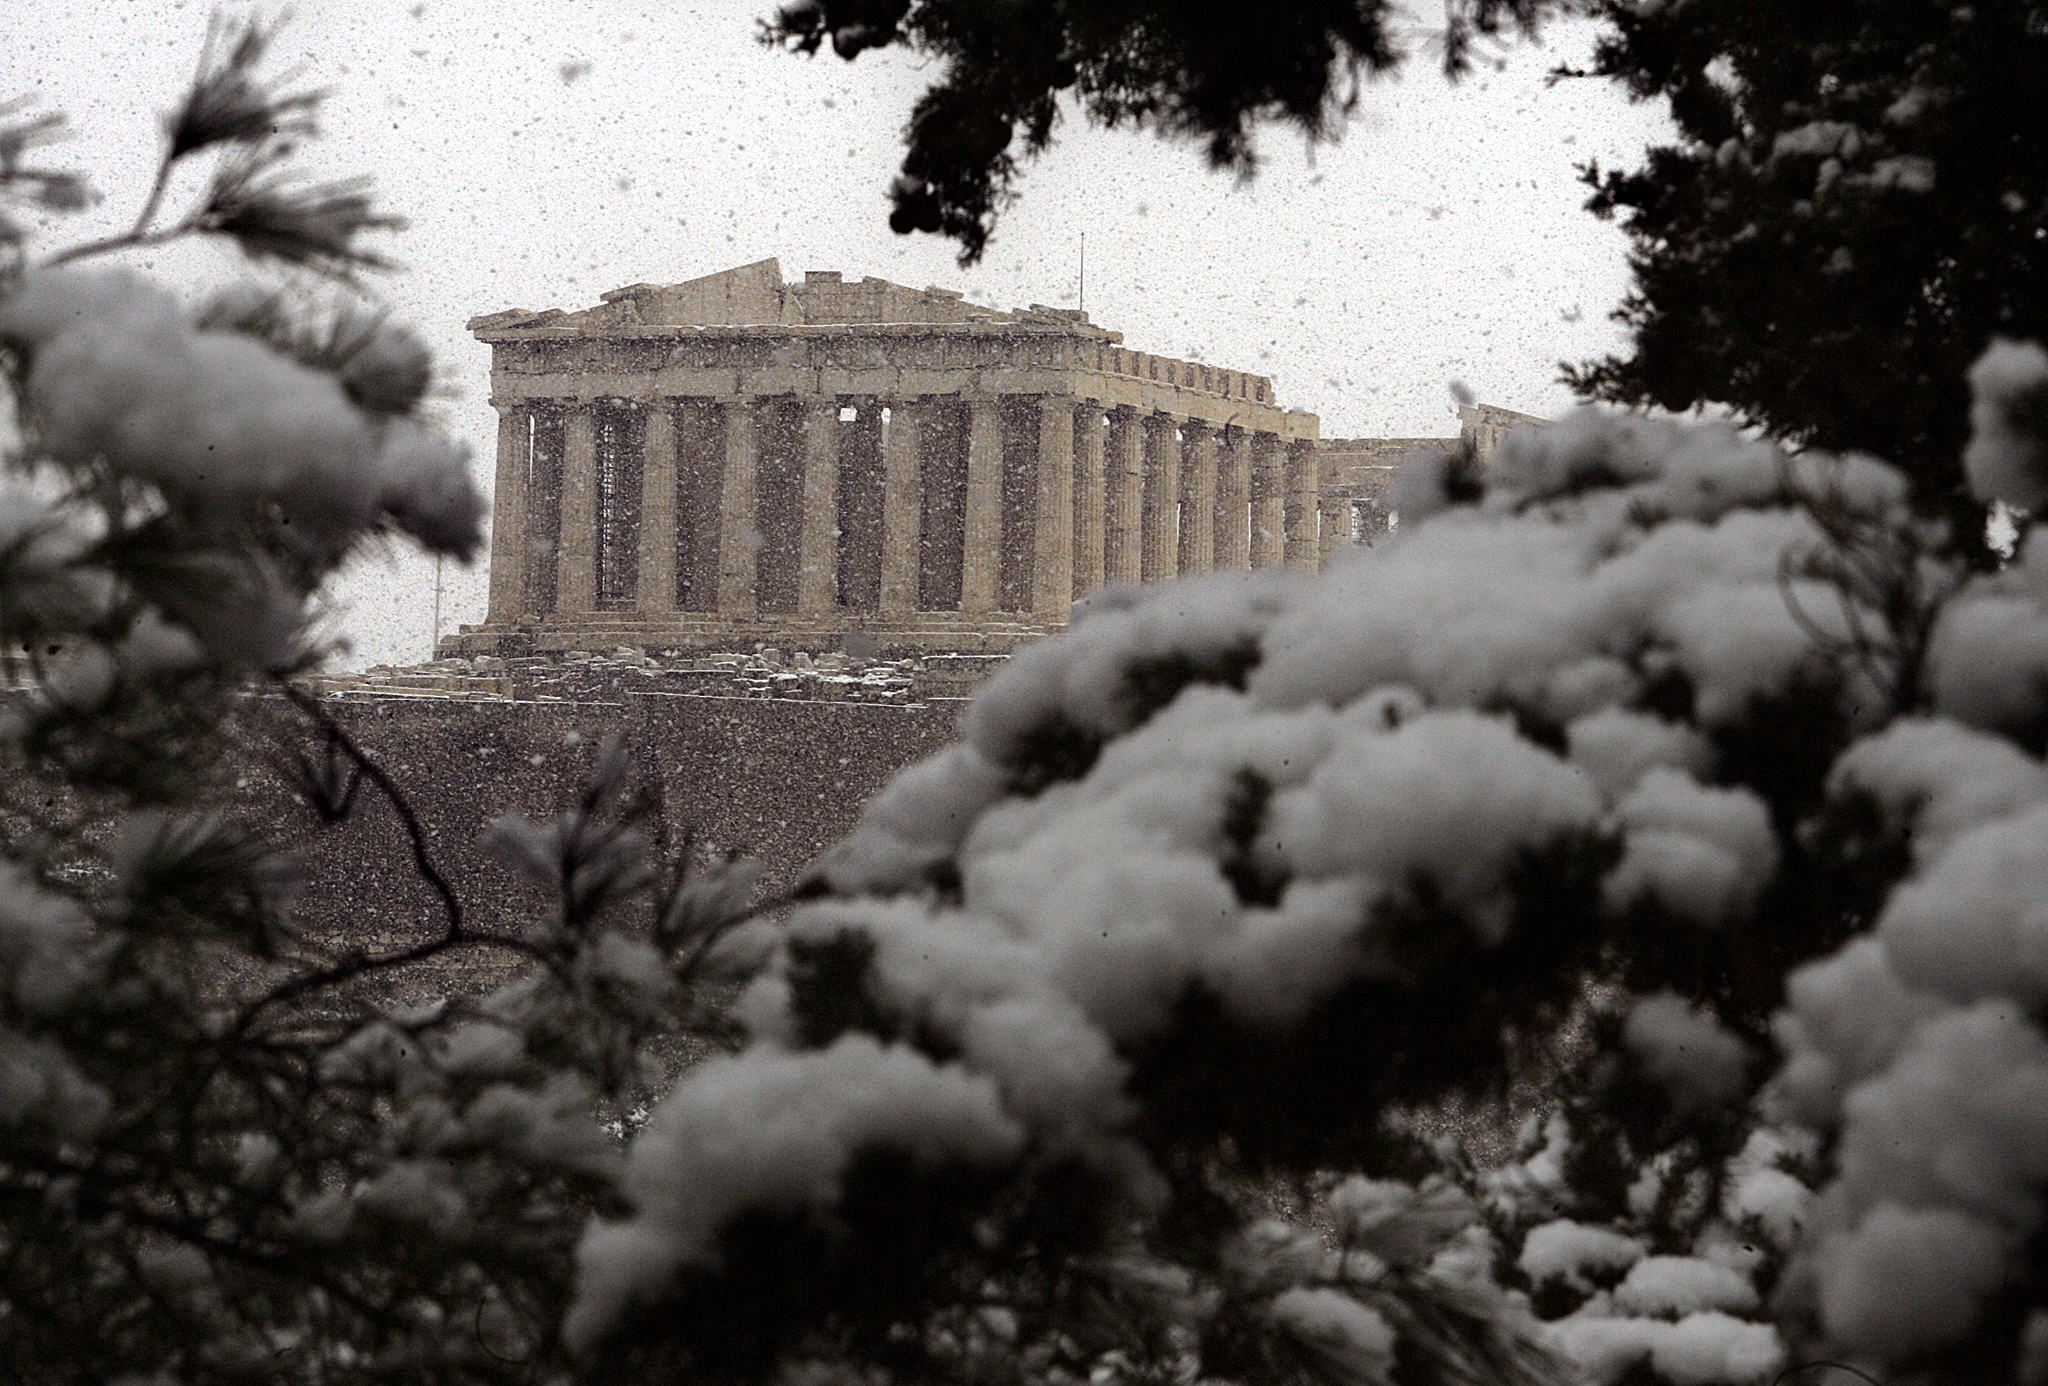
(1238, 864)
(221, 421)
(1220, 861)
(2007, 457)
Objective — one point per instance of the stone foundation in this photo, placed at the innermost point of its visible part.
(772, 759)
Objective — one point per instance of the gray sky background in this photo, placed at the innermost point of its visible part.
(548, 151)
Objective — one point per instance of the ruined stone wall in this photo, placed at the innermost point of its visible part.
(1355, 484)
(775, 778)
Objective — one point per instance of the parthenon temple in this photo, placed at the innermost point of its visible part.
(738, 458)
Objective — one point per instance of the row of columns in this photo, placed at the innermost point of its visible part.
(1115, 496)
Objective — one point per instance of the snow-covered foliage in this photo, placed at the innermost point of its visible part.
(2007, 459)
(1244, 865)
(223, 423)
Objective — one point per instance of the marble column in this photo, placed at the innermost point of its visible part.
(902, 510)
(1090, 499)
(817, 582)
(1299, 518)
(577, 553)
(1233, 500)
(1197, 499)
(658, 492)
(1159, 519)
(1052, 556)
(1333, 517)
(981, 553)
(508, 513)
(739, 533)
(1268, 501)
(1124, 479)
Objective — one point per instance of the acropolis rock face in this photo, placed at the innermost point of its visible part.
(832, 464)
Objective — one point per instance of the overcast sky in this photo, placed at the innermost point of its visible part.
(548, 151)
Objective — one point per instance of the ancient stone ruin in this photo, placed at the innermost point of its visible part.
(1355, 476)
(828, 464)
(739, 458)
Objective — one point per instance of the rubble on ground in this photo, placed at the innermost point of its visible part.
(589, 676)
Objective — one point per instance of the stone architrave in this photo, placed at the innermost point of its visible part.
(739, 532)
(1299, 518)
(658, 492)
(1233, 500)
(577, 594)
(1124, 475)
(1268, 501)
(1197, 499)
(817, 590)
(1091, 499)
(981, 555)
(1159, 519)
(508, 517)
(1052, 558)
(902, 509)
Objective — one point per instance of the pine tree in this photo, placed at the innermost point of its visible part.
(1207, 72)
(1851, 212)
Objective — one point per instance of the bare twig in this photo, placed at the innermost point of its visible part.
(127, 240)
(423, 860)
(455, 934)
